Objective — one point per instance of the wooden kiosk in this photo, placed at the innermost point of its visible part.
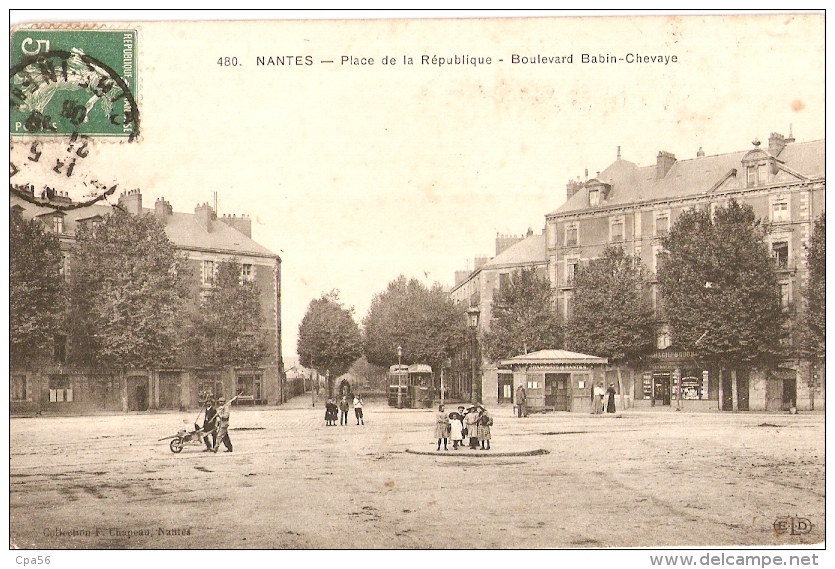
(555, 380)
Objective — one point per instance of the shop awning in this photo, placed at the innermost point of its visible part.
(554, 357)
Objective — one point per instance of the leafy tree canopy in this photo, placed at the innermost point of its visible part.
(129, 286)
(523, 318)
(424, 322)
(36, 291)
(814, 340)
(611, 316)
(719, 285)
(228, 322)
(329, 338)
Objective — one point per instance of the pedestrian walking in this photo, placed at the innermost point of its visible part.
(456, 428)
(223, 427)
(441, 427)
(610, 404)
(210, 425)
(358, 409)
(343, 410)
(521, 401)
(484, 424)
(471, 424)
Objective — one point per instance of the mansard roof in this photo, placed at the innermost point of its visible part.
(633, 184)
(181, 228)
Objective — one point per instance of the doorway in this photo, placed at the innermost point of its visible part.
(661, 387)
(556, 390)
(505, 394)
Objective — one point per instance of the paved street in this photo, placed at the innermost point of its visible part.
(640, 479)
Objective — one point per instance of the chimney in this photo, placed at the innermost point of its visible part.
(131, 202)
(479, 262)
(618, 152)
(776, 143)
(204, 215)
(504, 242)
(664, 162)
(461, 276)
(790, 139)
(242, 224)
(162, 209)
(530, 232)
(700, 153)
(572, 188)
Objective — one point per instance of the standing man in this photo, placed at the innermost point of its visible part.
(223, 428)
(522, 401)
(358, 409)
(210, 425)
(343, 410)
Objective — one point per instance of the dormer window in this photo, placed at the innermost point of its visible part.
(594, 198)
(756, 175)
(58, 223)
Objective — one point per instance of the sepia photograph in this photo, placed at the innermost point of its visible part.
(418, 281)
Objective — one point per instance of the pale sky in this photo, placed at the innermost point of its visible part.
(356, 174)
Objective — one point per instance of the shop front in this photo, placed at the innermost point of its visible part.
(675, 379)
(555, 380)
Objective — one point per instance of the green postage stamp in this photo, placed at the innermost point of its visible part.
(78, 81)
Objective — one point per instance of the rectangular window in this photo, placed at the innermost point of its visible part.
(571, 235)
(246, 272)
(617, 230)
(780, 251)
(17, 391)
(58, 223)
(662, 224)
(504, 281)
(751, 176)
(663, 340)
(570, 270)
(784, 296)
(594, 198)
(780, 210)
(208, 272)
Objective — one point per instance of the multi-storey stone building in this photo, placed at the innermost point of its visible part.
(634, 206)
(52, 384)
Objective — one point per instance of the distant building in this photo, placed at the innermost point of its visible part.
(474, 379)
(634, 206)
(206, 240)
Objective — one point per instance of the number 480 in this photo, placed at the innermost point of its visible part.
(227, 61)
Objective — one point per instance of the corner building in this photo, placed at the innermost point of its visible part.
(50, 384)
(634, 206)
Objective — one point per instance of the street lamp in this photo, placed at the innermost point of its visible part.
(399, 376)
(472, 321)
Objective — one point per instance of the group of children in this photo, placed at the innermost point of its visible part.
(473, 423)
(332, 409)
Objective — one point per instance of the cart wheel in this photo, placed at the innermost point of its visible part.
(176, 445)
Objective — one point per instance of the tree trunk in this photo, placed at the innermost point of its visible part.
(811, 387)
(734, 392)
(620, 389)
(721, 391)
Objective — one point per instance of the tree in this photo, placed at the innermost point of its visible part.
(227, 325)
(424, 322)
(128, 290)
(329, 338)
(523, 318)
(814, 340)
(812, 325)
(611, 317)
(36, 289)
(720, 288)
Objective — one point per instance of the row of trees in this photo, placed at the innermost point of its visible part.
(128, 302)
(718, 289)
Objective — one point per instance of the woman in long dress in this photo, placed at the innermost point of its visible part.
(441, 426)
(610, 398)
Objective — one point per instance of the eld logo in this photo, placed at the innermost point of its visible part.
(792, 525)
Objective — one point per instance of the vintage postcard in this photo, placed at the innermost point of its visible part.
(268, 284)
